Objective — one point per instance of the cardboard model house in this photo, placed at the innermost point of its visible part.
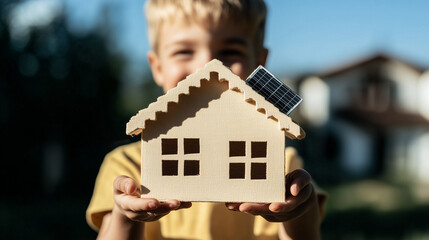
(213, 138)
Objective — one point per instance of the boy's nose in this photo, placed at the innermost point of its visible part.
(205, 57)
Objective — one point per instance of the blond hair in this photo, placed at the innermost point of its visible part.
(249, 13)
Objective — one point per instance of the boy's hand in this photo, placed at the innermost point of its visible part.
(301, 197)
(129, 204)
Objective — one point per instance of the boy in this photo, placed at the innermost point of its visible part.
(185, 35)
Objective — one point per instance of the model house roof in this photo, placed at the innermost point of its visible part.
(215, 70)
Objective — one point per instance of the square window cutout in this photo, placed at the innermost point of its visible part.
(170, 167)
(237, 148)
(191, 145)
(169, 146)
(259, 149)
(192, 168)
(236, 170)
(258, 171)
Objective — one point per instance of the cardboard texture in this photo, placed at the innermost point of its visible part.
(212, 138)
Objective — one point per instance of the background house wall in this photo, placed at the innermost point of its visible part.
(376, 119)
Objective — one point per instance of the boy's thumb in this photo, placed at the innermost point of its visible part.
(124, 184)
(130, 186)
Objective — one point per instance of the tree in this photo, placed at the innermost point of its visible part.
(59, 107)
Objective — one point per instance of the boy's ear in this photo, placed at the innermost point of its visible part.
(262, 59)
(155, 67)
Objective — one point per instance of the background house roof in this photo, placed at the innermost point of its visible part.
(137, 123)
(385, 119)
(377, 58)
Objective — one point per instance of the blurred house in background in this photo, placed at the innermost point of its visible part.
(368, 118)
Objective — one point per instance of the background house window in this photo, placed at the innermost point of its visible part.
(192, 168)
(170, 167)
(236, 170)
(237, 148)
(259, 149)
(169, 146)
(258, 171)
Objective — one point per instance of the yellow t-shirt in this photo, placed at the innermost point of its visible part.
(201, 221)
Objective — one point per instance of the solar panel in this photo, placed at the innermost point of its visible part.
(273, 90)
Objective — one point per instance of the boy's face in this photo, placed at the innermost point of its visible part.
(183, 48)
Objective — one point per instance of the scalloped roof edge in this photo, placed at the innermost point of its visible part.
(137, 123)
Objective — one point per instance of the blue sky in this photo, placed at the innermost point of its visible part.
(315, 35)
(303, 36)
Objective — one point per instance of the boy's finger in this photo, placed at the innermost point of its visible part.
(163, 207)
(124, 184)
(254, 208)
(298, 179)
(233, 206)
(135, 204)
(137, 212)
(294, 201)
(277, 207)
(171, 204)
(185, 205)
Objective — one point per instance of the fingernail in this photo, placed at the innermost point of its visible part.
(151, 205)
(294, 190)
(232, 208)
(173, 205)
(277, 210)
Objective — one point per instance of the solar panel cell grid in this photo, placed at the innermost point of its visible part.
(274, 91)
